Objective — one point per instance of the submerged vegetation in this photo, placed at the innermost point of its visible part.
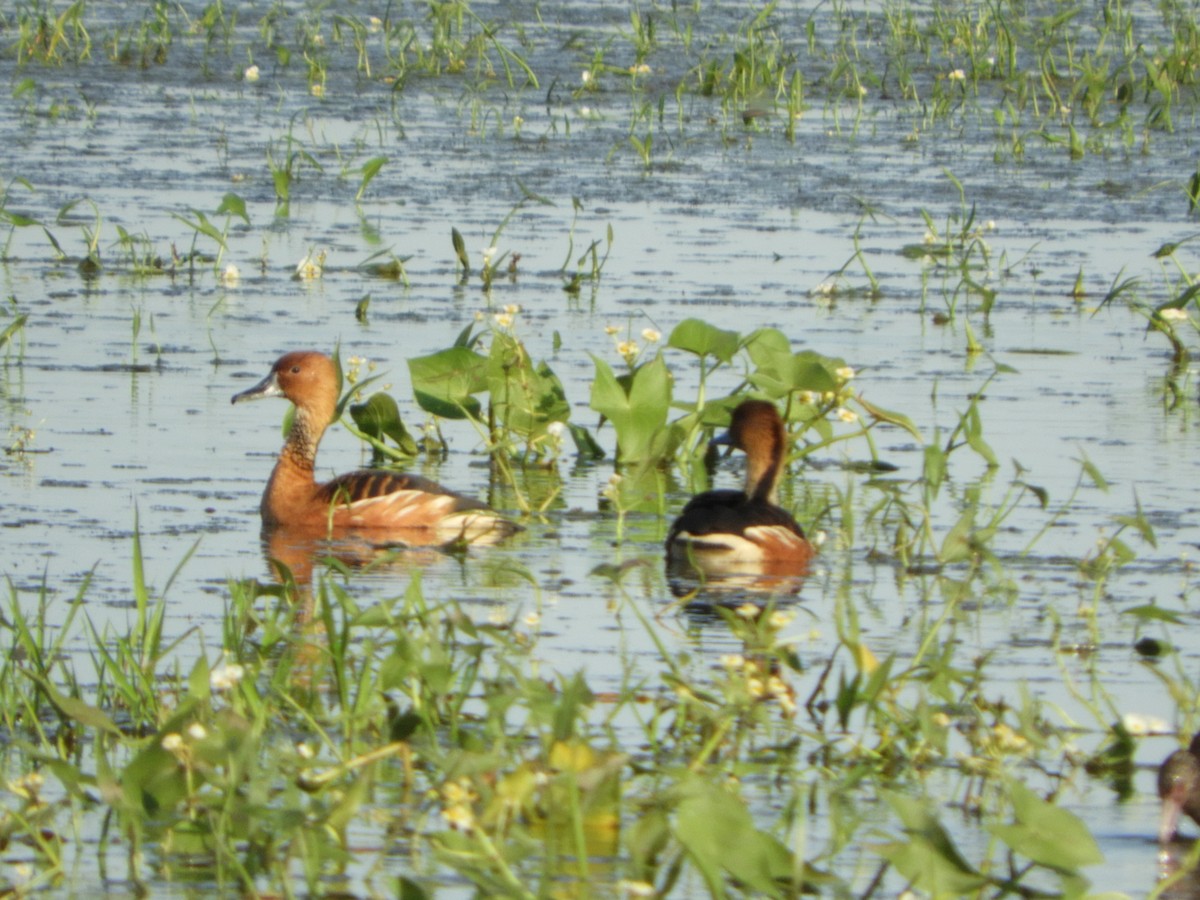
(327, 738)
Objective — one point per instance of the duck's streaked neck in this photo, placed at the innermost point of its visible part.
(300, 449)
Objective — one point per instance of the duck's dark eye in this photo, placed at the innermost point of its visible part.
(295, 370)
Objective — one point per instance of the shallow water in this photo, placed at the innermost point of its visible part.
(732, 223)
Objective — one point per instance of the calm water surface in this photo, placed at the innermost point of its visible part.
(731, 224)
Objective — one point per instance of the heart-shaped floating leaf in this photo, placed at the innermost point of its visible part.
(1047, 834)
(637, 404)
(444, 382)
(699, 337)
(380, 418)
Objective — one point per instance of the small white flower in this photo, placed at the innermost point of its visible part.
(611, 329)
(1173, 315)
(230, 275)
(636, 890)
(612, 490)
(504, 320)
(28, 786)
(732, 661)
(627, 348)
(846, 415)
(780, 619)
(845, 373)
(172, 742)
(641, 69)
(488, 254)
(304, 751)
(747, 610)
(374, 24)
(651, 335)
(532, 619)
(957, 75)
(512, 309)
(557, 430)
(317, 90)
(309, 268)
(226, 676)
(460, 818)
(518, 121)
(197, 732)
(585, 77)
(251, 74)
(1139, 725)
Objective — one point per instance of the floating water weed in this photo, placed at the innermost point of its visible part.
(146, 43)
(286, 170)
(15, 326)
(90, 265)
(10, 216)
(231, 205)
(51, 39)
(525, 398)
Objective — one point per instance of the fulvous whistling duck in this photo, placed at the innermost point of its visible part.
(747, 528)
(1179, 788)
(411, 508)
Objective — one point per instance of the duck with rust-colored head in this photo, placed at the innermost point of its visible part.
(735, 530)
(1179, 788)
(387, 504)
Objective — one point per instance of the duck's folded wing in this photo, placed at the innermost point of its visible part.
(395, 500)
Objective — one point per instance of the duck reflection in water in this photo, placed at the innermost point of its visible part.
(736, 540)
(355, 515)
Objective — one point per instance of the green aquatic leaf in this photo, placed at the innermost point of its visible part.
(12, 328)
(781, 372)
(637, 404)
(585, 445)
(1139, 523)
(233, 205)
(957, 545)
(1047, 834)
(892, 418)
(934, 472)
(72, 708)
(699, 337)
(927, 856)
(444, 382)
(369, 170)
(718, 834)
(973, 432)
(525, 397)
(460, 249)
(379, 417)
(1149, 612)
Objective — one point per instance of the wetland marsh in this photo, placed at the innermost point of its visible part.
(958, 242)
